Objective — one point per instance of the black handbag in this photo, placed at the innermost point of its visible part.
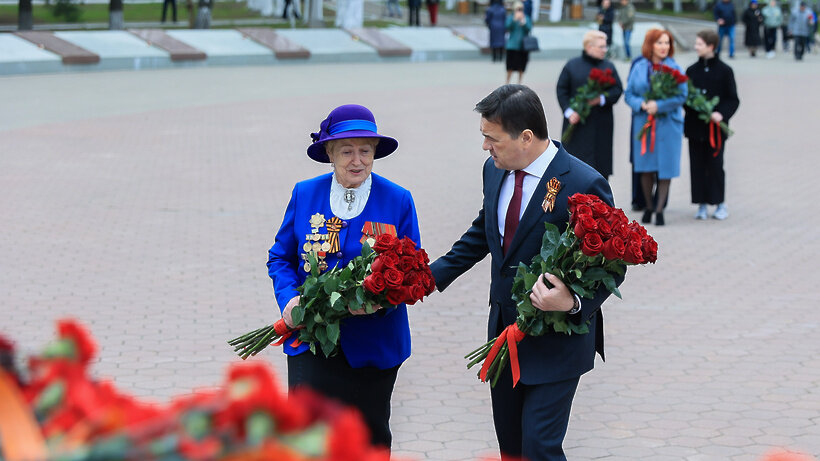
(529, 43)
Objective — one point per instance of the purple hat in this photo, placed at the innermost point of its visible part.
(349, 121)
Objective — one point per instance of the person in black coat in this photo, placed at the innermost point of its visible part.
(752, 19)
(714, 78)
(591, 141)
(606, 16)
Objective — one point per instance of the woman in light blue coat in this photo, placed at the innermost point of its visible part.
(658, 158)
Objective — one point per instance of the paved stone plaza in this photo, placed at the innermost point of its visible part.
(144, 203)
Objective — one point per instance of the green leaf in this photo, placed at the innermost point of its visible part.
(529, 280)
(318, 318)
(259, 427)
(596, 273)
(334, 298)
(609, 283)
(333, 332)
(331, 285)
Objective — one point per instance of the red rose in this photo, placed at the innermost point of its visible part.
(416, 293)
(601, 210)
(85, 348)
(408, 247)
(412, 278)
(390, 259)
(384, 242)
(377, 265)
(614, 248)
(393, 277)
(422, 258)
(374, 283)
(649, 250)
(633, 253)
(584, 210)
(429, 281)
(604, 229)
(397, 296)
(585, 224)
(617, 217)
(408, 263)
(592, 244)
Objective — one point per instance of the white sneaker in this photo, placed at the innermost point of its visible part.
(702, 213)
(770, 55)
(721, 213)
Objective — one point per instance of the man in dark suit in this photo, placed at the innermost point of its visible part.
(531, 418)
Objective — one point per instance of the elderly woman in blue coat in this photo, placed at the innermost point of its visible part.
(656, 166)
(330, 216)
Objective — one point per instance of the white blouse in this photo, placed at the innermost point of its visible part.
(348, 203)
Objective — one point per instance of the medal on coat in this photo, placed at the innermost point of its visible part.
(553, 187)
(316, 244)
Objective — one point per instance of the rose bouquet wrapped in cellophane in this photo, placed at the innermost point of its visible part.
(597, 245)
(392, 272)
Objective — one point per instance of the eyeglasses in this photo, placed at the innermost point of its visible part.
(519, 9)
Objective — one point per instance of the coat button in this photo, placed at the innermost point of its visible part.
(344, 224)
(339, 255)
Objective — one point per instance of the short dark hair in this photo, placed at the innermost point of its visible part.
(709, 37)
(516, 108)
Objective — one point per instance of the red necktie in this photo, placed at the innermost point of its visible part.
(513, 210)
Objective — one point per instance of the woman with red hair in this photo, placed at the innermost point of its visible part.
(659, 161)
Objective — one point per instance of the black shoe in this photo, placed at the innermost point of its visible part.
(647, 217)
(659, 219)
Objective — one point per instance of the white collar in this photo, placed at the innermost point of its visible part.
(539, 166)
(345, 209)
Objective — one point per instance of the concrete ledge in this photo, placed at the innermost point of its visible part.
(69, 52)
(179, 51)
(385, 45)
(281, 46)
(477, 35)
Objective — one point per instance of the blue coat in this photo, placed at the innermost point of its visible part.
(381, 339)
(495, 18)
(665, 159)
(552, 357)
(726, 11)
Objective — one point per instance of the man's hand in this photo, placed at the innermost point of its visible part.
(556, 299)
(362, 311)
(286, 313)
(721, 22)
(717, 117)
(574, 118)
(594, 102)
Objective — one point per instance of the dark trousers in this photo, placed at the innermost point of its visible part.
(369, 389)
(173, 4)
(413, 13)
(531, 421)
(770, 35)
(799, 46)
(706, 172)
(498, 54)
(784, 29)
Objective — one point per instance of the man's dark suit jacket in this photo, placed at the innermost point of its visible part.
(555, 356)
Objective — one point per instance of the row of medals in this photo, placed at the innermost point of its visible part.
(316, 244)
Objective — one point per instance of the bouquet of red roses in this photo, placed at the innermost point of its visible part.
(663, 84)
(597, 82)
(696, 101)
(597, 245)
(392, 272)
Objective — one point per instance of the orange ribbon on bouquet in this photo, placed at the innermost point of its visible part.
(715, 138)
(284, 331)
(649, 126)
(512, 335)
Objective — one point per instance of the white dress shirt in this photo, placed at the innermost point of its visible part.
(535, 171)
(343, 209)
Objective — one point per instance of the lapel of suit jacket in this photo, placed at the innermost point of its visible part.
(494, 182)
(533, 214)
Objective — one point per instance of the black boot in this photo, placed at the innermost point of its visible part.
(647, 217)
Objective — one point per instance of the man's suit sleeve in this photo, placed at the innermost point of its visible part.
(466, 252)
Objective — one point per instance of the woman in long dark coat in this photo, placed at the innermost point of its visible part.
(713, 78)
(752, 19)
(591, 141)
(496, 20)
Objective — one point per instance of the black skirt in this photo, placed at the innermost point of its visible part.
(517, 60)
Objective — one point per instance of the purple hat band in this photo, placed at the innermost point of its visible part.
(349, 121)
